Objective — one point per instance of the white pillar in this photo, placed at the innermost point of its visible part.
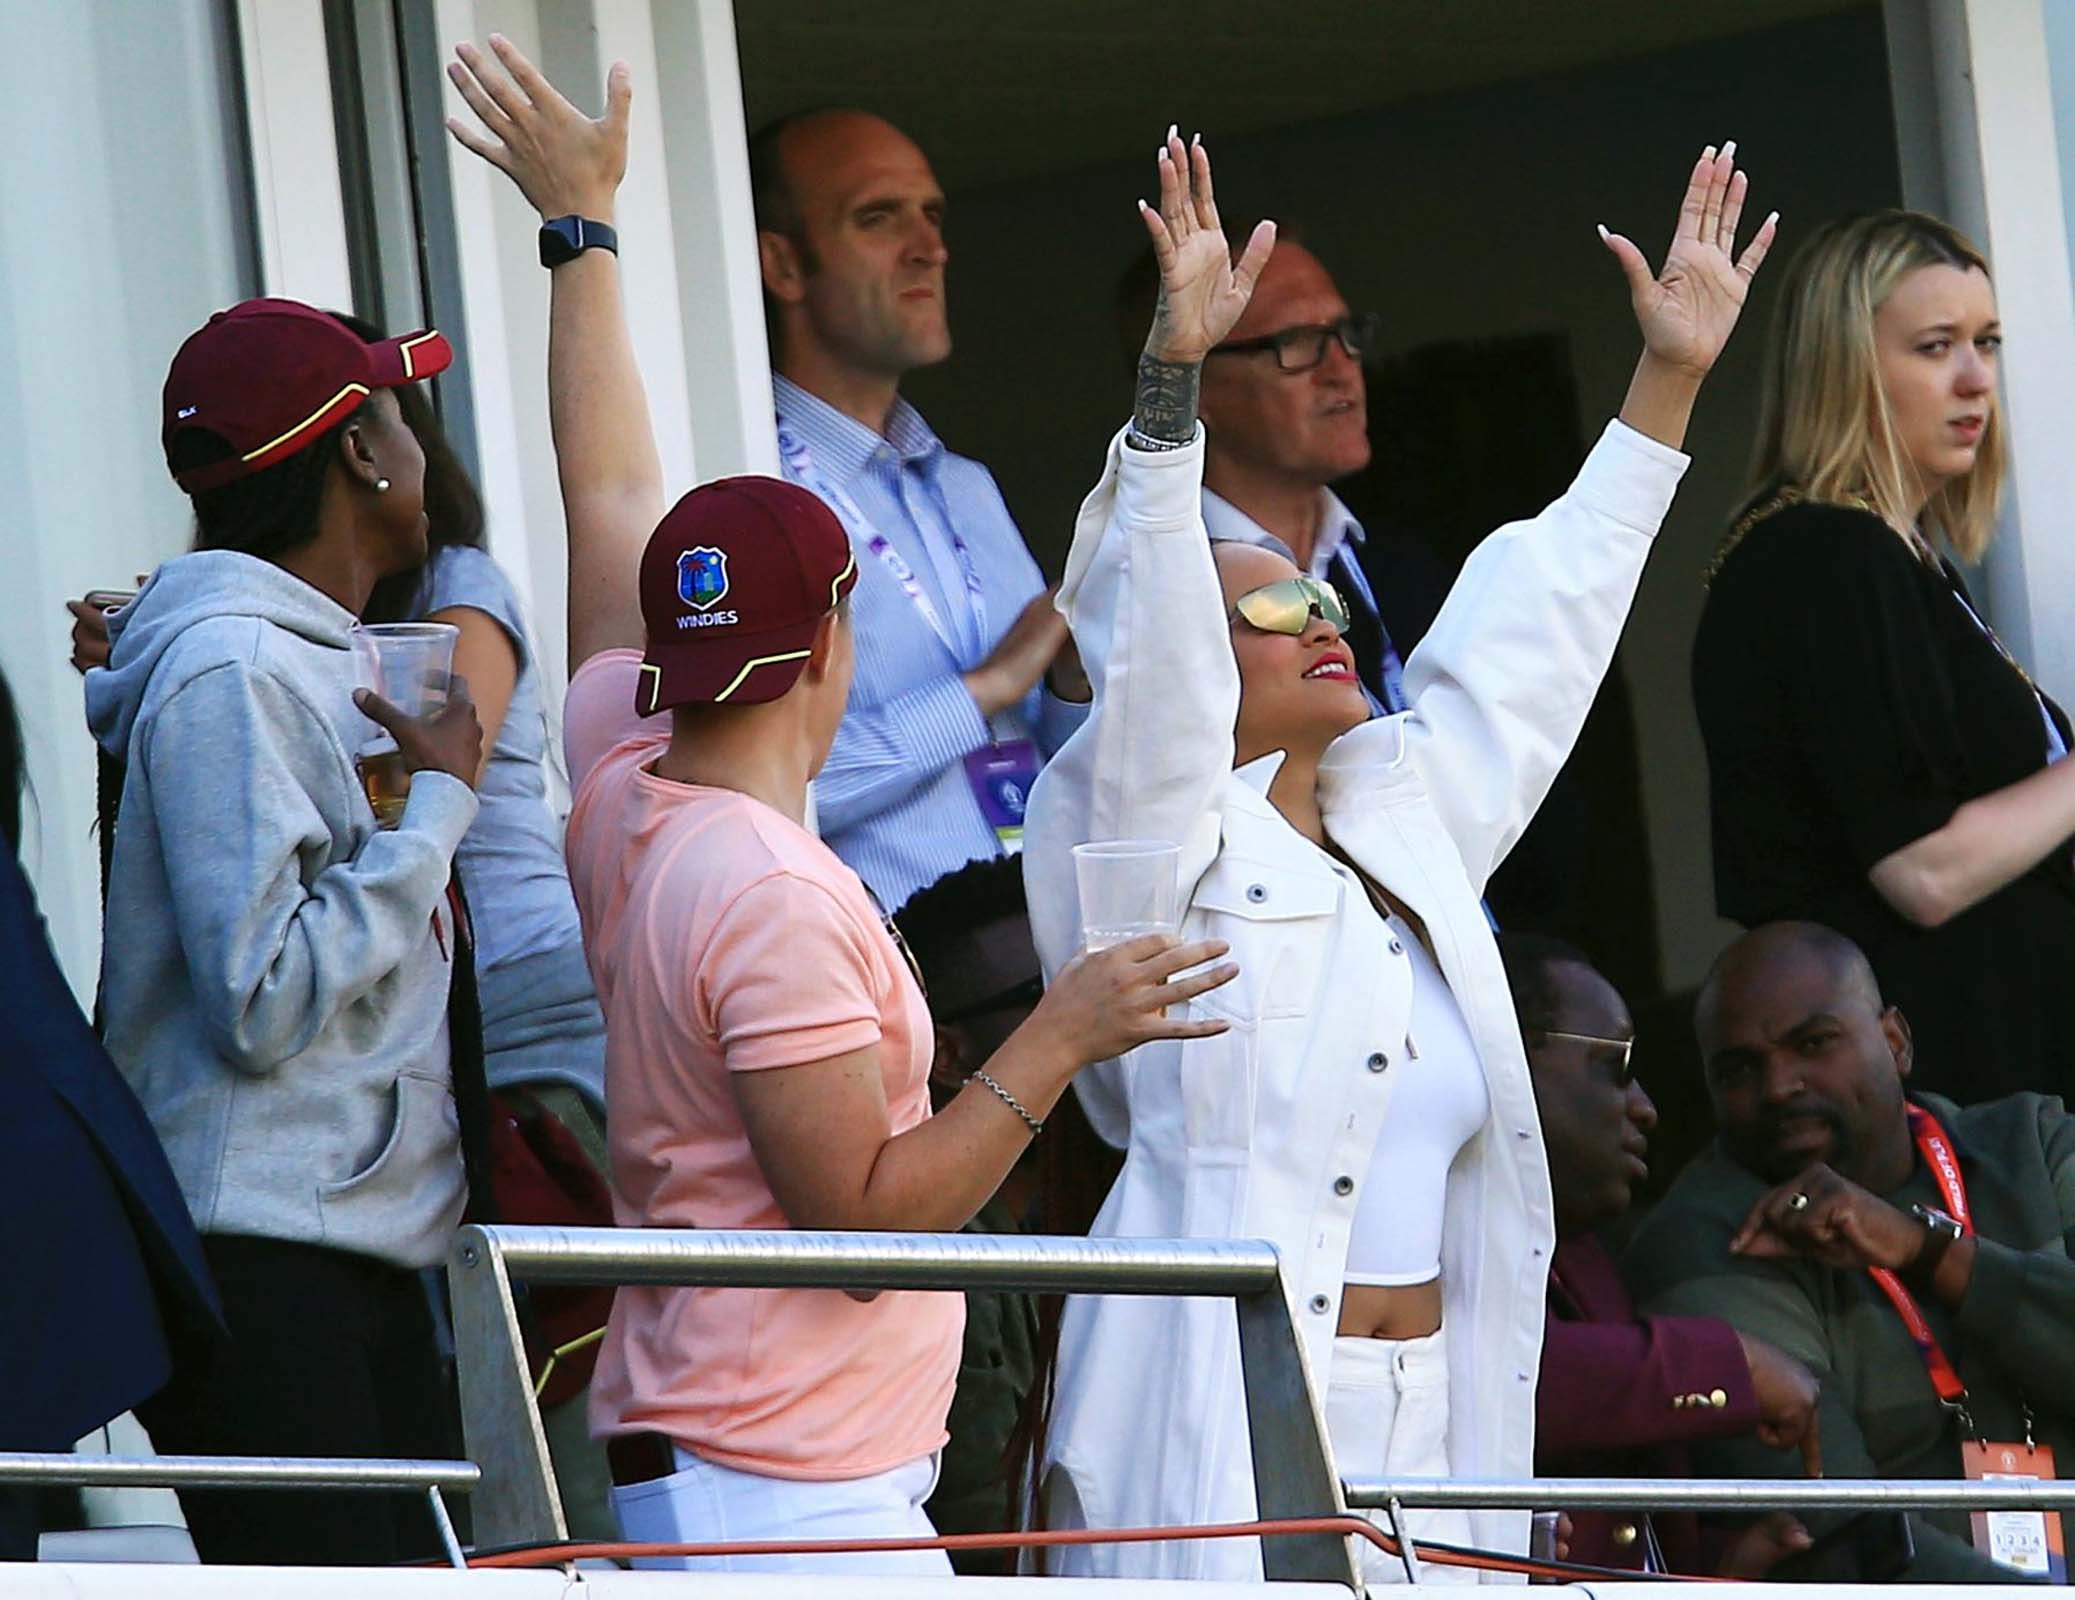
(1975, 108)
(301, 212)
(720, 284)
(118, 120)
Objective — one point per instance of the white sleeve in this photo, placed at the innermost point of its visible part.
(1500, 685)
(1141, 595)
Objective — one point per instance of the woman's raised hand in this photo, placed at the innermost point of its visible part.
(1688, 310)
(1202, 292)
(565, 163)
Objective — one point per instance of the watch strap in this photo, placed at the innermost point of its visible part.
(563, 239)
(1941, 1233)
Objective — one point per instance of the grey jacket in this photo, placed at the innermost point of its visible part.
(275, 969)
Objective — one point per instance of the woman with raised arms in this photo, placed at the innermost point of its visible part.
(1368, 1109)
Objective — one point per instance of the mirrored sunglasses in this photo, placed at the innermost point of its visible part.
(1288, 606)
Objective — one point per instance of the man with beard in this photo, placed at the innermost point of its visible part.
(1836, 1213)
(962, 688)
(1623, 1395)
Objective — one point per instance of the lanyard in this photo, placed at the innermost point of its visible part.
(1937, 1152)
(2056, 746)
(800, 466)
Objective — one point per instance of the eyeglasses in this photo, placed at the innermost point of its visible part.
(1623, 1048)
(1020, 997)
(1300, 349)
(1289, 606)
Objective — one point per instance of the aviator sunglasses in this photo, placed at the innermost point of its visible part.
(1288, 606)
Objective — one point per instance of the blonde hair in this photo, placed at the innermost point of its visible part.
(1825, 427)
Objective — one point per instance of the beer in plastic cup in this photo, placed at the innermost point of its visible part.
(411, 665)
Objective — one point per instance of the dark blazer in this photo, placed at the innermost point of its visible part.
(106, 1284)
(1623, 1395)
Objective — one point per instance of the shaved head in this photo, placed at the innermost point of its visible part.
(1768, 948)
(1805, 1063)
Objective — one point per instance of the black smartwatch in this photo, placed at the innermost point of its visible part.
(565, 238)
(1941, 1233)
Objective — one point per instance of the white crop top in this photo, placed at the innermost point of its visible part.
(1436, 1107)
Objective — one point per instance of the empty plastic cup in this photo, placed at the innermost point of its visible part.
(1128, 888)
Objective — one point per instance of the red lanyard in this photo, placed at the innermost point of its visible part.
(1937, 1152)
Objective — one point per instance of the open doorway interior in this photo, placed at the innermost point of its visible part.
(1447, 163)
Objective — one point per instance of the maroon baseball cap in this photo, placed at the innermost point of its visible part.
(269, 376)
(735, 579)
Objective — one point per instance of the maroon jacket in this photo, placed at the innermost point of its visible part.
(1622, 1396)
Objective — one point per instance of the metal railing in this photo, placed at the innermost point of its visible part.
(1711, 1494)
(518, 1503)
(251, 1472)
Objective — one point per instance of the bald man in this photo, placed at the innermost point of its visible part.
(1833, 1204)
(965, 684)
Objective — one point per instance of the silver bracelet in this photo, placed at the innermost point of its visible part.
(1009, 1100)
(1138, 439)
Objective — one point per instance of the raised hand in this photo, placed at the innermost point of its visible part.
(1687, 311)
(565, 163)
(1202, 292)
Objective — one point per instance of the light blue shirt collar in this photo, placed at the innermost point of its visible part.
(842, 446)
(1227, 524)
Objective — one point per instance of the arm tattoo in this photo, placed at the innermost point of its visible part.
(1165, 405)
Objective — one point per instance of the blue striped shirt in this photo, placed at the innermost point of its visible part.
(893, 799)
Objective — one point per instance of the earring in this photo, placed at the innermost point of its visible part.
(381, 486)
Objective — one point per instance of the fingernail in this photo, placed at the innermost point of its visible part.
(1195, 140)
(1775, 217)
(1174, 130)
(1602, 229)
(1729, 150)
(1708, 154)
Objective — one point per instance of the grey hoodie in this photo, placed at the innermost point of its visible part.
(275, 968)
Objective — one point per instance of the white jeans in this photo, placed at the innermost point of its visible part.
(702, 1503)
(1387, 1415)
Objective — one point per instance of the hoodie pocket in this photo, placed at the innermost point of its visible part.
(424, 1129)
(400, 1206)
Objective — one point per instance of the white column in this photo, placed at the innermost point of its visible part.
(301, 213)
(1975, 102)
(720, 285)
(117, 119)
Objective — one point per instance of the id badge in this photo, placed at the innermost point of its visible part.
(1001, 776)
(2027, 1542)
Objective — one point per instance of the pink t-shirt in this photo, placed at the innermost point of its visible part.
(725, 938)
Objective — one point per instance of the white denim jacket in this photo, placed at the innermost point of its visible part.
(1246, 1135)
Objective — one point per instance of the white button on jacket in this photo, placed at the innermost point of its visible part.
(1244, 1135)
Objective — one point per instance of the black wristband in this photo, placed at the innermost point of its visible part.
(563, 239)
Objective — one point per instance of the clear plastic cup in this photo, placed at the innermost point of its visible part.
(1128, 888)
(411, 665)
